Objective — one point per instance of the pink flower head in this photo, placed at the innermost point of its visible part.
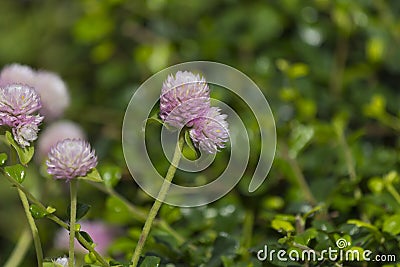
(185, 101)
(71, 158)
(16, 73)
(18, 107)
(53, 93)
(52, 90)
(184, 98)
(55, 132)
(210, 133)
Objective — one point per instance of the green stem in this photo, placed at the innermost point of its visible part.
(158, 202)
(32, 225)
(18, 254)
(55, 219)
(298, 174)
(72, 221)
(140, 215)
(349, 163)
(247, 233)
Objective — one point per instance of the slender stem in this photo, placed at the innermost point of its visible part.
(55, 219)
(72, 221)
(140, 215)
(349, 162)
(158, 202)
(298, 174)
(32, 225)
(18, 254)
(247, 233)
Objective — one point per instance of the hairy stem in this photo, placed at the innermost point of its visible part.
(32, 226)
(72, 221)
(158, 202)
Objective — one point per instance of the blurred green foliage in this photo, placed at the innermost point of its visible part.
(329, 69)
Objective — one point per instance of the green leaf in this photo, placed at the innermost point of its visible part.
(365, 225)
(25, 154)
(90, 258)
(37, 211)
(306, 237)
(85, 236)
(111, 175)
(3, 158)
(92, 176)
(81, 210)
(17, 172)
(300, 137)
(150, 261)
(224, 245)
(280, 226)
(392, 225)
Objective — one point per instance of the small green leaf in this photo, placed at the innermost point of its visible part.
(17, 172)
(81, 210)
(280, 226)
(37, 212)
(90, 258)
(3, 158)
(365, 225)
(93, 176)
(25, 154)
(50, 210)
(111, 175)
(85, 236)
(299, 139)
(392, 225)
(150, 261)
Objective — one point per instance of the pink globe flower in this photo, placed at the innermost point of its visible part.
(51, 88)
(185, 101)
(210, 133)
(55, 132)
(184, 98)
(70, 158)
(53, 93)
(18, 107)
(16, 73)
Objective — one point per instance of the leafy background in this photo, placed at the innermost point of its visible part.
(329, 69)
